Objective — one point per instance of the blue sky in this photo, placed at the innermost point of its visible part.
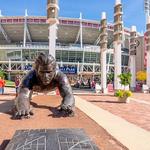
(133, 9)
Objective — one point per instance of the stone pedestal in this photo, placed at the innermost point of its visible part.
(51, 139)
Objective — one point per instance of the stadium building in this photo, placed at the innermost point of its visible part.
(22, 38)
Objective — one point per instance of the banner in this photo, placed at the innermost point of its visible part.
(68, 70)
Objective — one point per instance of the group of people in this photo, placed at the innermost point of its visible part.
(89, 83)
(2, 85)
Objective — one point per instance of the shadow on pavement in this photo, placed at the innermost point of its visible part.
(55, 110)
(106, 101)
(6, 106)
(4, 144)
(35, 105)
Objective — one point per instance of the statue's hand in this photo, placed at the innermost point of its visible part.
(66, 112)
(22, 106)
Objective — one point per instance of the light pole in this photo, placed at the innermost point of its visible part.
(133, 36)
(52, 19)
(103, 50)
(118, 30)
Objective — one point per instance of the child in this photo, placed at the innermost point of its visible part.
(17, 82)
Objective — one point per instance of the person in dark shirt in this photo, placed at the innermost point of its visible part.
(44, 77)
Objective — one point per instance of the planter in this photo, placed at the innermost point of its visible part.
(124, 99)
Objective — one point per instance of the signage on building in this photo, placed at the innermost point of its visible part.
(68, 70)
(133, 47)
(28, 67)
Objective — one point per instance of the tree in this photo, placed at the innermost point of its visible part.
(141, 76)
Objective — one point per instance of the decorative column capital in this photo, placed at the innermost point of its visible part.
(52, 11)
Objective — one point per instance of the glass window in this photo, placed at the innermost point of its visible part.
(65, 56)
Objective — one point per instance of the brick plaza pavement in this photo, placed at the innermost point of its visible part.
(142, 96)
(44, 108)
(134, 112)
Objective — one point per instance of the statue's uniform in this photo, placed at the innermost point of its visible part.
(32, 82)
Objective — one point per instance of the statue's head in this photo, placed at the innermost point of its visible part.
(45, 66)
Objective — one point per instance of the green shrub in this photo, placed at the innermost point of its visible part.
(2, 74)
(125, 79)
(123, 93)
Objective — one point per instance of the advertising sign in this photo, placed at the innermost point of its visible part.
(68, 70)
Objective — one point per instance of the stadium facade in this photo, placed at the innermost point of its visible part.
(22, 38)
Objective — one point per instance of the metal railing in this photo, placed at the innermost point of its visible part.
(14, 66)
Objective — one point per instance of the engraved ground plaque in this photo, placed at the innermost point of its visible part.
(51, 139)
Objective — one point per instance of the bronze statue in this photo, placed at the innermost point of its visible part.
(44, 77)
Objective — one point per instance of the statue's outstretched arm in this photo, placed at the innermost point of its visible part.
(68, 102)
(22, 103)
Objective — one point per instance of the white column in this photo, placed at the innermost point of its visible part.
(81, 42)
(148, 52)
(103, 52)
(61, 64)
(118, 30)
(148, 69)
(25, 28)
(133, 59)
(52, 39)
(118, 2)
(9, 65)
(78, 68)
(103, 72)
(117, 64)
(133, 71)
(83, 59)
(93, 67)
(26, 62)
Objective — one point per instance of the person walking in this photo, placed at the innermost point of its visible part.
(17, 82)
(3, 85)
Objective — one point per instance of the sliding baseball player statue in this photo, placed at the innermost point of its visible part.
(45, 76)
